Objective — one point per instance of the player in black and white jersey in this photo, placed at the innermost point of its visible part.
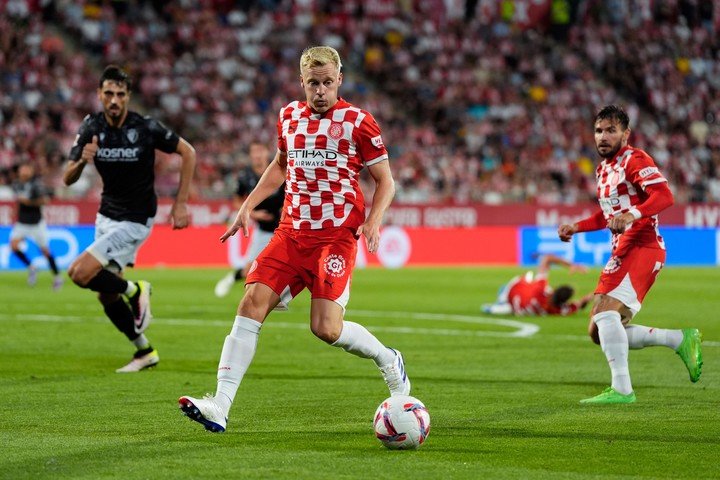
(266, 215)
(121, 144)
(31, 195)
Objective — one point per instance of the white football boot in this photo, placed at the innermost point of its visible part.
(140, 362)
(205, 411)
(395, 376)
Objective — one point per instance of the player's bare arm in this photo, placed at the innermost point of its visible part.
(271, 179)
(179, 215)
(384, 193)
(74, 169)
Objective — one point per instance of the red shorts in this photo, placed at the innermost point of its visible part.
(629, 278)
(321, 260)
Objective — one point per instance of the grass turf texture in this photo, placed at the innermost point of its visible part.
(501, 406)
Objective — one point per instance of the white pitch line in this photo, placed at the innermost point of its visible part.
(525, 330)
(521, 329)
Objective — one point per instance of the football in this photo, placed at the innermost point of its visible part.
(402, 422)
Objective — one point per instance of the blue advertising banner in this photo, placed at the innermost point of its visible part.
(65, 243)
(685, 246)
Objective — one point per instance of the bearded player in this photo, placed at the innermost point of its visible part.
(631, 192)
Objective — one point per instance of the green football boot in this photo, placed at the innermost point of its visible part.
(691, 352)
(609, 395)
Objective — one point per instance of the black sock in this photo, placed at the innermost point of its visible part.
(144, 351)
(23, 258)
(53, 266)
(107, 282)
(121, 316)
(239, 274)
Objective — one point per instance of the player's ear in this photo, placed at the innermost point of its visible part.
(340, 77)
(626, 135)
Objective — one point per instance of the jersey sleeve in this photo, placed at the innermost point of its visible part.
(369, 142)
(83, 137)
(641, 170)
(164, 139)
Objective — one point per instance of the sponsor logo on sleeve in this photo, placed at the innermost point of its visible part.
(647, 171)
(377, 141)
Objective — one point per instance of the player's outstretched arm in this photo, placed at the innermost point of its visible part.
(596, 221)
(384, 193)
(271, 179)
(179, 215)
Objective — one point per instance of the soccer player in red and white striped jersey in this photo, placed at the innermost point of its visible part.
(631, 192)
(323, 144)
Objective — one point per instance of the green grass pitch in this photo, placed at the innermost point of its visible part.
(502, 405)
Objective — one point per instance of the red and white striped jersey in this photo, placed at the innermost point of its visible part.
(325, 154)
(621, 183)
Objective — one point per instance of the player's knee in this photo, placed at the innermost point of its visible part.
(326, 331)
(78, 276)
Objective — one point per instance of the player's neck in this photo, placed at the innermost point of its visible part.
(115, 123)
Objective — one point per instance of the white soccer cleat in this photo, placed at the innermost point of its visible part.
(57, 283)
(205, 411)
(395, 376)
(222, 288)
(140, 306)
(140, 362)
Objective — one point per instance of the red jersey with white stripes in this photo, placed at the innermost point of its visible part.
(621, 183)
(325, 154)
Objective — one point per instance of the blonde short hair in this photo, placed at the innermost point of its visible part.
(319, 56)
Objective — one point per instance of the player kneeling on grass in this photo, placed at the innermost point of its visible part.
(121, 144)
(530, 294)
(315, 245)
(631, 192)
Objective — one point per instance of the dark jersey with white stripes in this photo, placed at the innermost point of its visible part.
(30, 190)
(247, 179)
(125, 161)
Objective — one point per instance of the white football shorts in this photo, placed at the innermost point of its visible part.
(118, 241)
(37, 232)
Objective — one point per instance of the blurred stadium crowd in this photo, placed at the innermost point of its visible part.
(478, 100)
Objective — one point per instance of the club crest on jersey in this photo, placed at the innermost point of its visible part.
(102, 136)
(334, 265)
(336, 131)
(132, 135)
(613, 265)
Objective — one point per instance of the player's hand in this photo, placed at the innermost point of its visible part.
(584, 301)
(89, 150)
(371, 231)
(565, 232)
(619, 223)
(242, 219)
(179, 216)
